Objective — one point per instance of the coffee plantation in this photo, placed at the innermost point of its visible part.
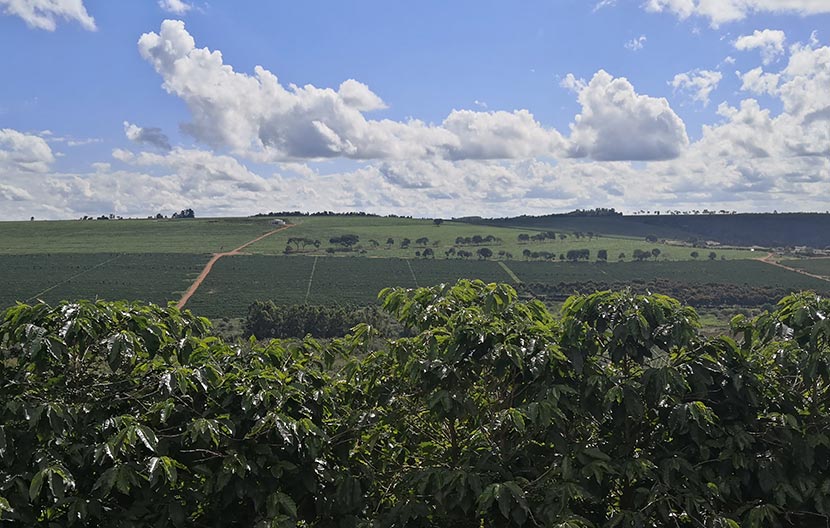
(618, 412)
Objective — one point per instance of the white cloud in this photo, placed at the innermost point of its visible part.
(301, 169)
(258, 117)
(603, 4)
(148, 136)
(199, 170)
(10, 193)
(723, 11)
(175, 6)
(698, 83)
(636, 44)
(802, 129)
(503, 135)
(770, 42)
(616, 123)
(24, 152)
(358, 96)
(759, 82)
(44, 14)
(571, 83)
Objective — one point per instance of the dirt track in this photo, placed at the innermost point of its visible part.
(769, 260)
(216, 256)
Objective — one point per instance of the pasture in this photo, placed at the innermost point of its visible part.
(375, 235)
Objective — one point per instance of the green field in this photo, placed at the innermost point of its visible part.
(816, 266)
(442, 238)
(153, 277)
(130, 236)
(156, 260)
(704, 272)
(236, 282)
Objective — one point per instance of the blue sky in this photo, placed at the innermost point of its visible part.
(437, 108)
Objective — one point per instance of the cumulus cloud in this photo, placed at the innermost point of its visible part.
(504, 135)
(801, 129)
(198, 170)
(697, 83)
(259, 117)
(758, 81)
(148, 136)
(44, 14)
(175, 6)
(24, 152)
(617, 123)
(723, 11)
(770, 42)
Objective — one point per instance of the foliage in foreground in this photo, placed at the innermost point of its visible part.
(495, 413)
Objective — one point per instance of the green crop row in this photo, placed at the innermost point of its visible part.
(156, 278)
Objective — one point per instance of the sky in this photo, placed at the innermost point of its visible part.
(430, 109)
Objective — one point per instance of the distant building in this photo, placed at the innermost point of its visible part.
(277, 222)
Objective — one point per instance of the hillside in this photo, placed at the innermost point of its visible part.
(766, 230)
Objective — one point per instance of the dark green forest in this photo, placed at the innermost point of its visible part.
(761, 229)
(491, 412)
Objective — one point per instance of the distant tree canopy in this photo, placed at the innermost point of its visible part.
(492, 412)
(641, 254)
(578, 254)
(184, 213)
(598, 211)
(348, 240)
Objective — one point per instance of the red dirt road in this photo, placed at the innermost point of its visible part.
(216, 256)
(769, 260)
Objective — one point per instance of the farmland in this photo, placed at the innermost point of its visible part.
(716, 272)
(157, 260)
(238, 281)
(150, 277)
(817, 266)
(385, 238)
(129, 236)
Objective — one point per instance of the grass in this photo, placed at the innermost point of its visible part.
(153, 277)
(442, 238)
